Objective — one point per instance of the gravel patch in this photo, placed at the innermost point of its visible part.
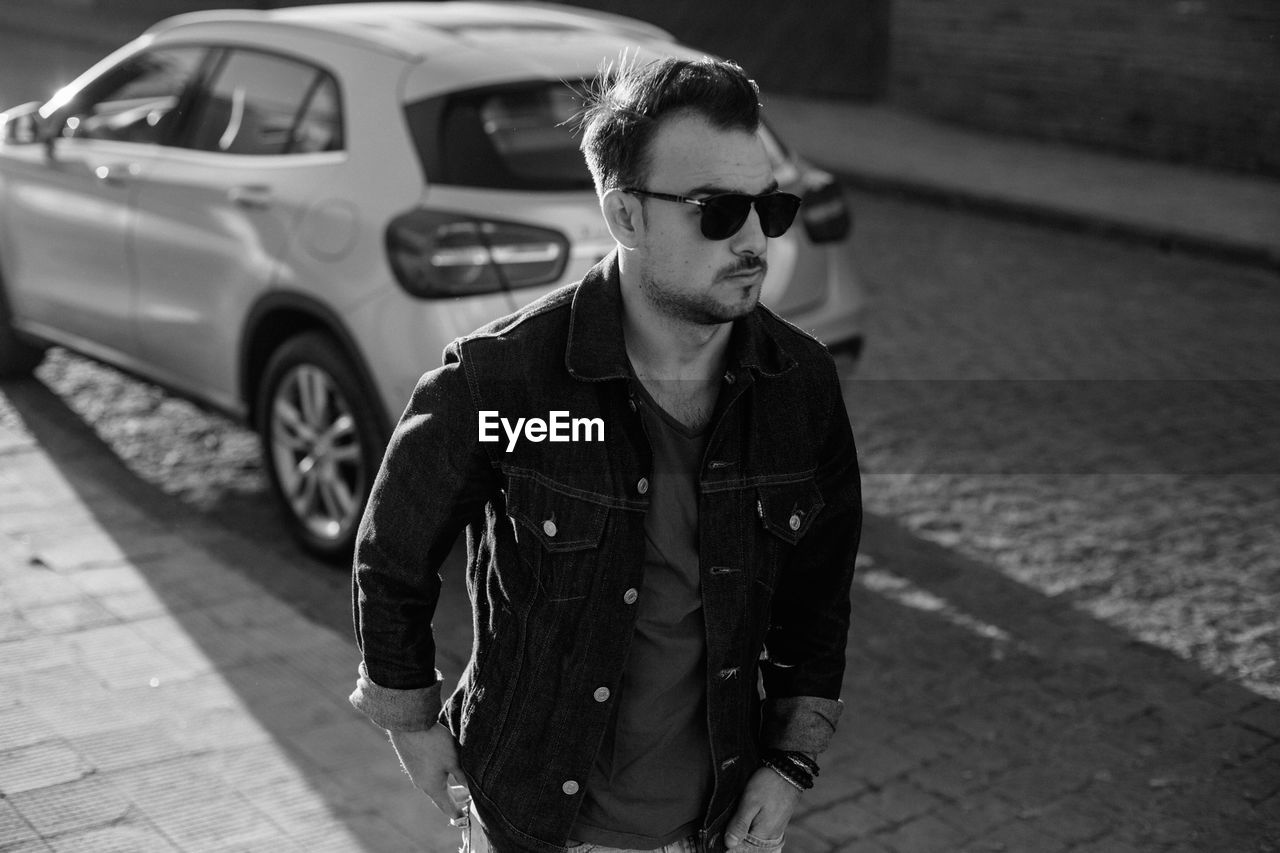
(193, 454)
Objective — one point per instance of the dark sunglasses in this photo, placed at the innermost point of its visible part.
(724, 214)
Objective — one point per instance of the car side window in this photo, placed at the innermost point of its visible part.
(138, 100)
(262, 104)
(320, 127)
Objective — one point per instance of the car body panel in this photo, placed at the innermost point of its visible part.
(205, 250)
(170, 257)
(65, 214)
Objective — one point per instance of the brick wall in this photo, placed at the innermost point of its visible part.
(834, 48)
(1185, 80)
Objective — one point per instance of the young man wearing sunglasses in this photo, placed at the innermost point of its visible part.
(660, 617)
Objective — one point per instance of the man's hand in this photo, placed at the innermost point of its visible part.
(765, 808)
(430, 757)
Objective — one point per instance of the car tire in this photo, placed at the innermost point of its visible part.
(17, 357)
(321, 442)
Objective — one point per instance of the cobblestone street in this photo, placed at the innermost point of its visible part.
(1061, 614)
(1097, 420)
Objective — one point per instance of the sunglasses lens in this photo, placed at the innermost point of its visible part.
(777, 212)
(723, 215)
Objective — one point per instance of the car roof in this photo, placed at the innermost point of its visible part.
(417, 30)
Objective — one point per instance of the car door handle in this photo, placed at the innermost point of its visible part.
(252, 196)
(116, 174)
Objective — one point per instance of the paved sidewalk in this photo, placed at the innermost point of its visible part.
(153, 696)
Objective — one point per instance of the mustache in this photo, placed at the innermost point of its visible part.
(749, 263)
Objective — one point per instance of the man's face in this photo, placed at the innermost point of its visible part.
(682, 273)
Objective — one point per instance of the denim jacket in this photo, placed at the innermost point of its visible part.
(555, 545)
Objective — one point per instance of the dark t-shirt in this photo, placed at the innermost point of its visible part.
(652, 776)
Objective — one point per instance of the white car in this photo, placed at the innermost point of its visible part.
(287, 214)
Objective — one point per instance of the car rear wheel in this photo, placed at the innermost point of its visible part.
(321, 442)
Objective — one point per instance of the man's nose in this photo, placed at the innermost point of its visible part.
(750, 239)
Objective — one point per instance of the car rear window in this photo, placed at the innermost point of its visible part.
(517, 137)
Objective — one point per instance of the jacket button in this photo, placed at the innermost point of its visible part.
(570, 787)
(632, 404)
(643, 486)
(630, 596)
(729, 377)
(549, 527)
(601, 694)
(794, 523)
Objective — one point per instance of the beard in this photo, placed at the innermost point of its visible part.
(707, 307)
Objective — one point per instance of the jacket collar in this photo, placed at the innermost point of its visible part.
(596, 351)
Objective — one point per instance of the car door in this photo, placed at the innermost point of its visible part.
(68, 269)
(214, 221)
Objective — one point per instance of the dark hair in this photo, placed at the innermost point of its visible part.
(628, 101)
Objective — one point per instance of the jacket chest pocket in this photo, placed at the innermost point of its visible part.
(786, 512)
(558, 533)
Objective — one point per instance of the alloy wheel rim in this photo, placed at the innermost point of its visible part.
(316, 448)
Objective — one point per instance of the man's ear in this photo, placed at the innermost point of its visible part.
(623, 216)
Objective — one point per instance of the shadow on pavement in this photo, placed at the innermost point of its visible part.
(163, 657)
(984, 715)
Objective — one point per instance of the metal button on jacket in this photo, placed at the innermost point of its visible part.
(630, 596)
(643, 486)
(570, 787)
(601, 694)
(794, 523)
(549, 527)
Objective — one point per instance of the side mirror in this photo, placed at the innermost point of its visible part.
(22, 125)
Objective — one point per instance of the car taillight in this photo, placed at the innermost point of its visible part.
(825, 212)
(436, 254)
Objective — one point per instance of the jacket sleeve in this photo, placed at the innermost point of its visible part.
(434, 478)
(804, 663)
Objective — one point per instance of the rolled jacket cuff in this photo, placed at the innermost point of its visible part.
(800, 723)
(413, 710)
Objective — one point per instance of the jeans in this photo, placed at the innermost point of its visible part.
(474, 840)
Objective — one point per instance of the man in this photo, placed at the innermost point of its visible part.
(631, 596)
